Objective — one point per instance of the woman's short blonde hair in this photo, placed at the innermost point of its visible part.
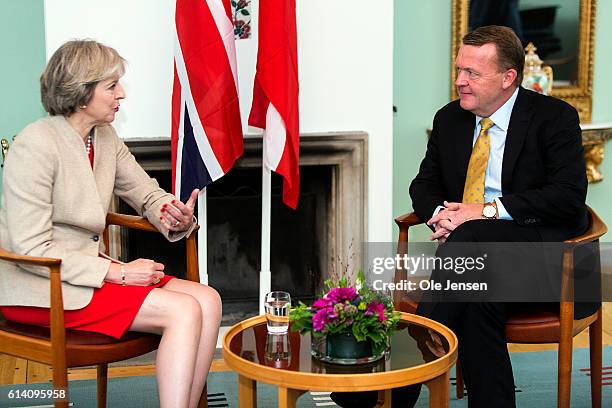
(73, 72)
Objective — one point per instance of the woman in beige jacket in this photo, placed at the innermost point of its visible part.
(59, 179)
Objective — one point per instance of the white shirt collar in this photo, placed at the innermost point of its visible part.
(501, 117)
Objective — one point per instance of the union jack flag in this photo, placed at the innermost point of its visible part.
(206, 129)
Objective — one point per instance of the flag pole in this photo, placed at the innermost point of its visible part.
(265, 276)
(202, 241)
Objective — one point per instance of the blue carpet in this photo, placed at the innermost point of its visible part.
(534, 373)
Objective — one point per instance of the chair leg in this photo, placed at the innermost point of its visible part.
(596, 366)
(60, 382)
(459, 378)
(204, 397)
(102, 382)
(565, 368)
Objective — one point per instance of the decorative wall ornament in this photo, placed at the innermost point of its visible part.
(594, 137)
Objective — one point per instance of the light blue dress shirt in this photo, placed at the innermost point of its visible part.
(497, 136)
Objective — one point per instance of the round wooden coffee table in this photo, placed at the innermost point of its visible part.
(410, 361)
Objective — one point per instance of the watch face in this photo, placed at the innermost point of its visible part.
(489, 211)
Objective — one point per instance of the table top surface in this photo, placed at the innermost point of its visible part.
(247, 348)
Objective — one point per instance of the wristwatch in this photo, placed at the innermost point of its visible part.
(489, 211)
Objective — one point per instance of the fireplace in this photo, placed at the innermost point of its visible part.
(306, 244)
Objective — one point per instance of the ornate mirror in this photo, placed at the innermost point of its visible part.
(562, 30)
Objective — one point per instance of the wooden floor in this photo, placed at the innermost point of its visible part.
(17, 371)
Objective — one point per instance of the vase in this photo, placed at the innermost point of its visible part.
(536, 76)
(343, 348)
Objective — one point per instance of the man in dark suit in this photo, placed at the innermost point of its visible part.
(503, 164)
(531, 189)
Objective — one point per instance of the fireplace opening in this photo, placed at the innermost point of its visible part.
(299, 245)
(306, 244)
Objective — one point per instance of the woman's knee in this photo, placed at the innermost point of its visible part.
(164, 308)
(208, 297)
(212, 298)
(184, 309)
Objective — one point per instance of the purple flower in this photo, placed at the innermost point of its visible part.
(319, 320)
(339, 295)
(322, 303)
(376, 308)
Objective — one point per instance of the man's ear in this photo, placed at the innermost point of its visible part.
(509, 77)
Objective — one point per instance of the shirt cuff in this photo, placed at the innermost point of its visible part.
(436, 211)
(501, 210)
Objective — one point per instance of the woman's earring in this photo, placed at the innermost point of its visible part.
(83, 106)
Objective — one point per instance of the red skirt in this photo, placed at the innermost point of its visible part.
(111, 311)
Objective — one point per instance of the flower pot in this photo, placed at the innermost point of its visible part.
(343, 348)
(345, 345)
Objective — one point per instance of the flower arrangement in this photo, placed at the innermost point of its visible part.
(361, 311)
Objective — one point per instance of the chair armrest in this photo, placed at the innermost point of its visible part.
(141, 223)
(408, 220)
(132, 221)
(596, 230)
(29, 260)
(56, 310)
(403, 222)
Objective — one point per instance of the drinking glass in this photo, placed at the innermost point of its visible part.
(277, 353)
(276, 306)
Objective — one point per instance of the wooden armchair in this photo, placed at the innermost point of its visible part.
(63, 348)
(541, 326)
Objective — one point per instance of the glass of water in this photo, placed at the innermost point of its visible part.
(277, 353)
(276, 306)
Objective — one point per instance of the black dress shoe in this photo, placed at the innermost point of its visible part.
(404, 397)
(364, 399)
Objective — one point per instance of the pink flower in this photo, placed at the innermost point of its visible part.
(339, 295)
(376, 308)
(321, 303)
(319, 320)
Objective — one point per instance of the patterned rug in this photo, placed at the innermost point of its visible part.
(534, 372)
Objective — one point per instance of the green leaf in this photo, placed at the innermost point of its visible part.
(245, 12)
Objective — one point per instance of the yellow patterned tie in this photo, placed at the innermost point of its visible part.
(473, 191)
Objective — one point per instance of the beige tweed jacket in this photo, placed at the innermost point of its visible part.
(54, 205)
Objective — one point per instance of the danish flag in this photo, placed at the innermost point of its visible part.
(276, 91)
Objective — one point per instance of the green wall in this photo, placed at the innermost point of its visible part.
(421, 75)
(600, 193)
(421, 86)
(22, 46)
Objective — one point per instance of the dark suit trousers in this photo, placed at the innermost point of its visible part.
(480, 326)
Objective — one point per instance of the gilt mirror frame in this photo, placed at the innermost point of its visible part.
(579, 94)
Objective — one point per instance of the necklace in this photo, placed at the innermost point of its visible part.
(88, 145)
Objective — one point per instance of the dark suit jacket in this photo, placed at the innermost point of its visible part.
(544, 182)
